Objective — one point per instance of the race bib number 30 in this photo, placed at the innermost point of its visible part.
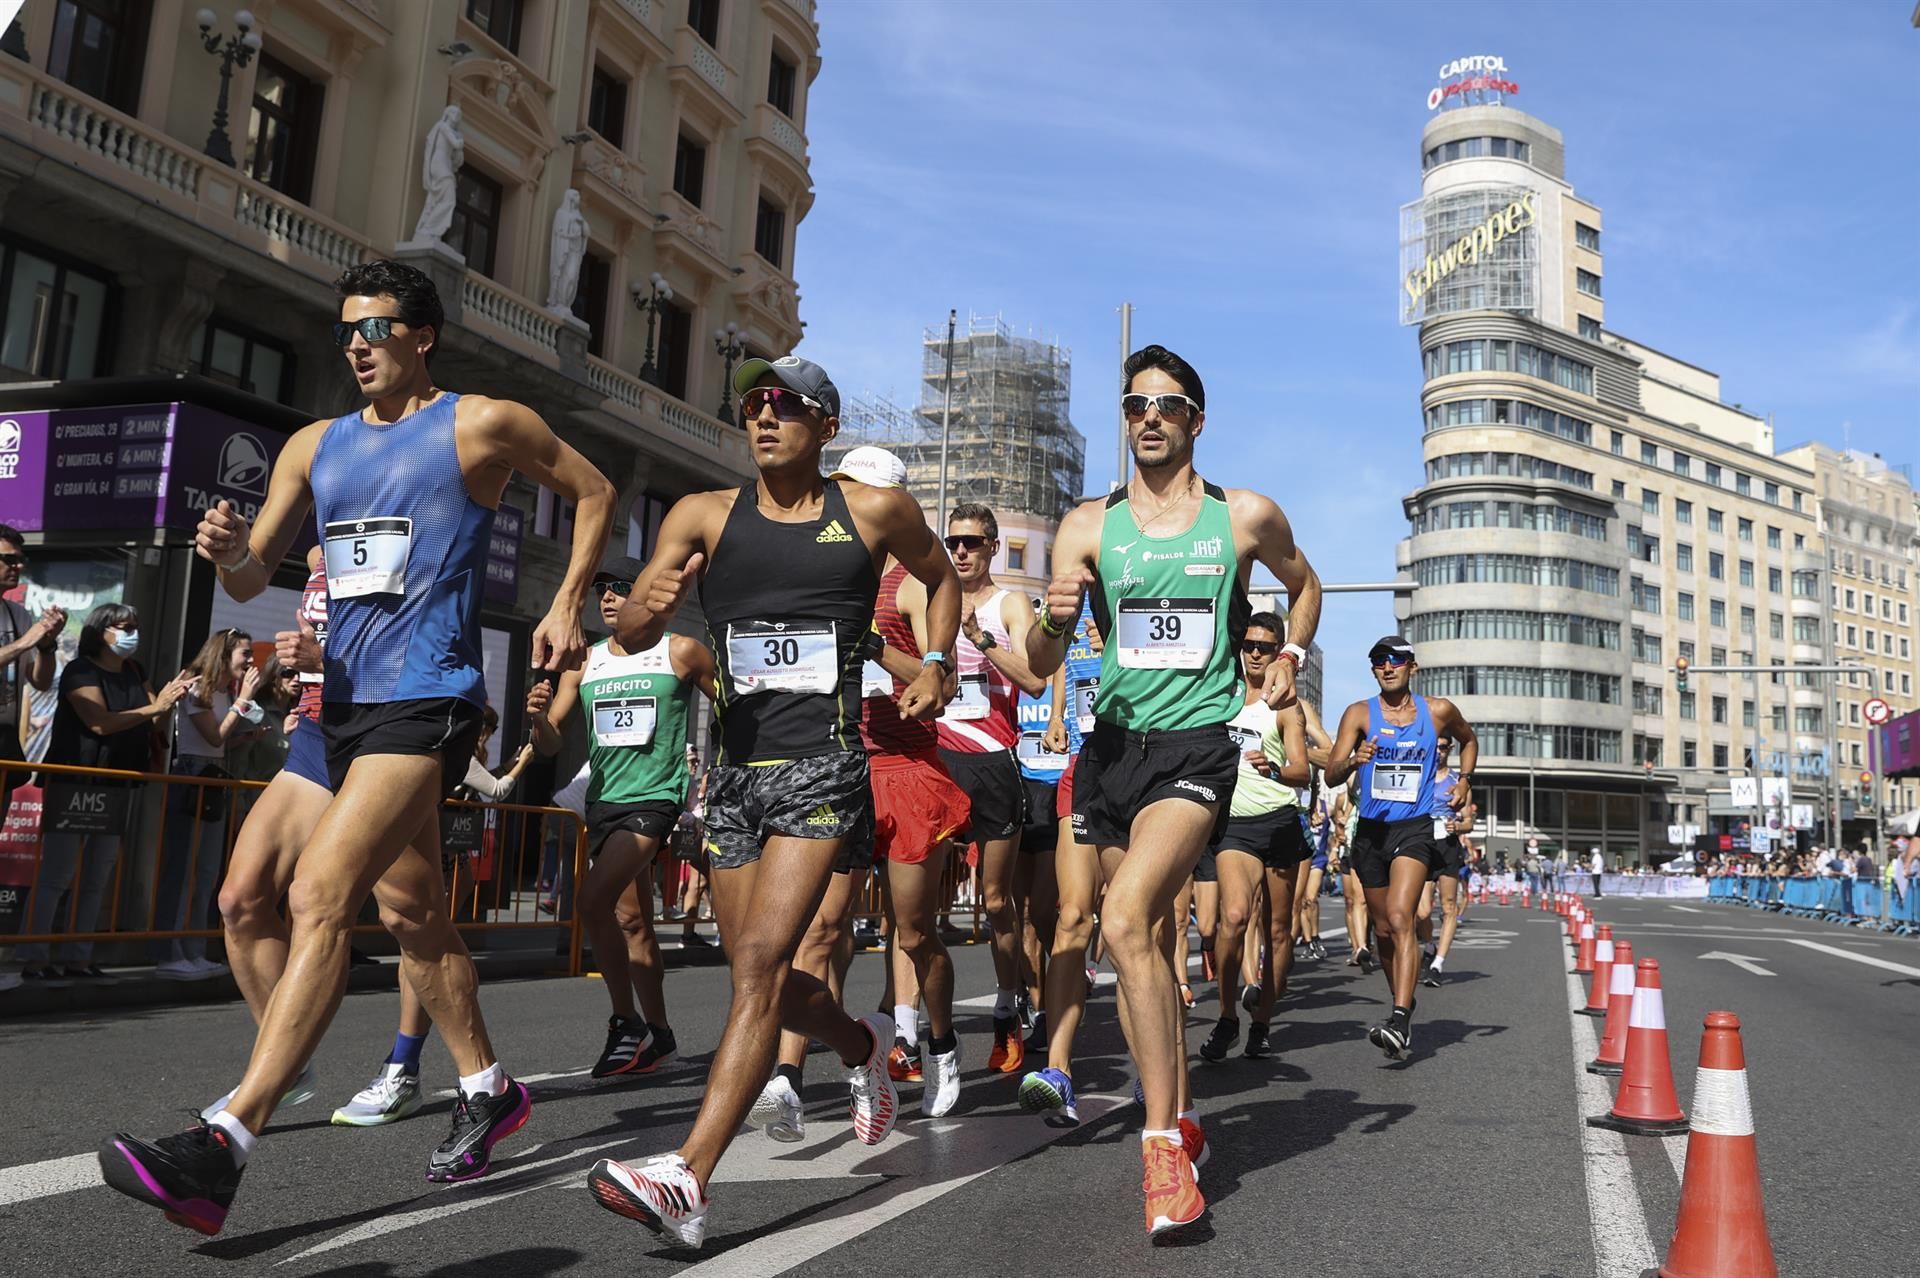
(782, 656)
(367, 556)
(971, 702)
(627, 721)
(1165, 634)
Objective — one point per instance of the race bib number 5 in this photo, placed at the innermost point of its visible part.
(367, 556)
(1165, 634)
(782, 656)
(627, 721)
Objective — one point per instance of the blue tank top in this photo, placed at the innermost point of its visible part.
(1398, 784)
(406, 550)
(1083, 681)
(1443, 796)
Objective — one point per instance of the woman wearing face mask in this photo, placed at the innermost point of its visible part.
(217, 714)
(104, 719)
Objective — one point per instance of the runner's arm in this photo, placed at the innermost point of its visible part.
(1347, 743)
(905, 536)
(1010, 658)
(1273, 545)
(1461, 731)
(1075, 548)
(668, 576)
(693, 662)
(546, 727)
(223, 531)
(1319, 744)
(1293, 738)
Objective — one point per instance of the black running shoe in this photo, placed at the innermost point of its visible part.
(1431, 977)
(1318, 950)
(1037, 1032)
(479, 1123)
(1250, 997)
(190, 1176)
(626, 1041)
(1225, 1034)
(1366, 963)
(1391, 1039)
(1258, 1049)
(662, 1049)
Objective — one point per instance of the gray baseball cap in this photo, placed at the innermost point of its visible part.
(794, 373)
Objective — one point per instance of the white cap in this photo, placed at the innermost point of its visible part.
(871, 465)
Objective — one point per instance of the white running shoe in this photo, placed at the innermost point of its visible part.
(303, 1090)
(660, 1193)
(777, 1112)
(875, 1102)
(941, 1071)
(390, 1097)
(210, 968)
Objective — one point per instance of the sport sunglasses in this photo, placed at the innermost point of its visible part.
(1390, 659)
(972, 543)
(1260, 646)
(788, 406)
(1173, 408)
(618, 585)
(375, 328)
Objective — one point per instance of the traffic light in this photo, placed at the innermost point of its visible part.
(1680, 672)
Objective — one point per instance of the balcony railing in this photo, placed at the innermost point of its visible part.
(653, 407)
(507, 312)
(778, 129)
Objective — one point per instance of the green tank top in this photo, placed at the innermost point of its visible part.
(1173, 610)
(1256, 727)
(637, 722)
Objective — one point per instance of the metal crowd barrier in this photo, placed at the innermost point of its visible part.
(490, 847)
(1867, 904)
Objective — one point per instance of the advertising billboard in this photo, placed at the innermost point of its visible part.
(1470, 249)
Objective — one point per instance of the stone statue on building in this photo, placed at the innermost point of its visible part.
(446, 151)
(569, 250)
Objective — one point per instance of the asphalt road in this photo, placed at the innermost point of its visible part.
(1469, 1160)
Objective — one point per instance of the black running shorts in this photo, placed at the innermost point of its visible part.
(1041, 832)
(1274, 837)
(651, 820)
(1453, 856)
(994, 788)
(444, 726)
(1122, 773)
(823, 797)
(1377, 843)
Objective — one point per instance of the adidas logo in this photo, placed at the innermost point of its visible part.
(833, 532)
(823, 815)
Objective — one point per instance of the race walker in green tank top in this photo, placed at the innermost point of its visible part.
(636, 709)
(1173, 611)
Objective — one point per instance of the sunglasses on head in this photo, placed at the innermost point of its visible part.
(618, 585)
(375, 328)
(1173, 408)
(788, 406)
(972, 543)
(1262, 647)
(1380, 659)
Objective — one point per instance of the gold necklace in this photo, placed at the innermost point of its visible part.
(1133, 501)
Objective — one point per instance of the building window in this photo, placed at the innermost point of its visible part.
(782, 76)
(1715, 521)
(1649, 501)
(1746, 623)
(1682, 511)
(1586, 236)
(499, 19)
(1776, 626)
(1743, 483)
(1587, 282)
(1689, 754)
(1774, 580)
(1716, 565)
(1619, 488)
(1746, 530)
(607, 106)
(1590, 328)
(1719, 756)
(1749, 715)
(1619, 444)
(1717, 617)
(99, 47)
(1746, 573)
(676, 348)
(54, 320)
(1649, 454)
(704, 17)
(1796, 499)
(1684, 602)
(1016, 556)
(690, 169)
(1682, 464)
(1773, 538)
(770, 232)
(590, 300)
(239, 357)
(283, 131)
(1683, 557)
(1689, 706)
(1771, 493)
(1713, 473)
(475, 230)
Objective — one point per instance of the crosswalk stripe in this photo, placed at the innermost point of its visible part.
(54, 1176)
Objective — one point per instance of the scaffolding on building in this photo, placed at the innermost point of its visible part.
(1013, 445)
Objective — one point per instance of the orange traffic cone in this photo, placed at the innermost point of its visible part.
(1722, 1228)
(1602, 987)
(1612, 1056)
(1583, 961)
(1646, 1104)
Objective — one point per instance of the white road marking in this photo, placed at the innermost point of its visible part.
(1687, 909)
(1746, 962)
(1621, 1245)
(54, 1176)
(1868, 959)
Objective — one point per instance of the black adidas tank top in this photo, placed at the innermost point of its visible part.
(786, 606)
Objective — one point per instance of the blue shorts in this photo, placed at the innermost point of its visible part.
(307, 753)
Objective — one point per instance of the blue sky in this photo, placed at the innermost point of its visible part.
(1236, 170)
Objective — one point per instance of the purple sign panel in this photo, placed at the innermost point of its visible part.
(503, 556)
(1899, 746)
(129, 466)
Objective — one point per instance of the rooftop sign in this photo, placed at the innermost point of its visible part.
(1477, 81)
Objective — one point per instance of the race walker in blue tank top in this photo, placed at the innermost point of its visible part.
(1397, 784)
(406, 550)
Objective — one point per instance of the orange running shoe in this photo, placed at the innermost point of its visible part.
(1009, 1051)
(1194, 1141)
(1173, 1199)
(902, 1065)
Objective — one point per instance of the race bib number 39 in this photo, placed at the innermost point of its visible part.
(1085, 693)
(367, 556)
(1165, 634)
(627, 721)
(782, 656)
(971, 702)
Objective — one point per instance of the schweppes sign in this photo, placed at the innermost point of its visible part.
(1511, 220)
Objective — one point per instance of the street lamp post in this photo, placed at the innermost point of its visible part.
(728, 344)
(649, 296)
(233, 50)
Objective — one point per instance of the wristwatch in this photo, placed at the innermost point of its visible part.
(942, 659)
(986, 642)
(1298, 655)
